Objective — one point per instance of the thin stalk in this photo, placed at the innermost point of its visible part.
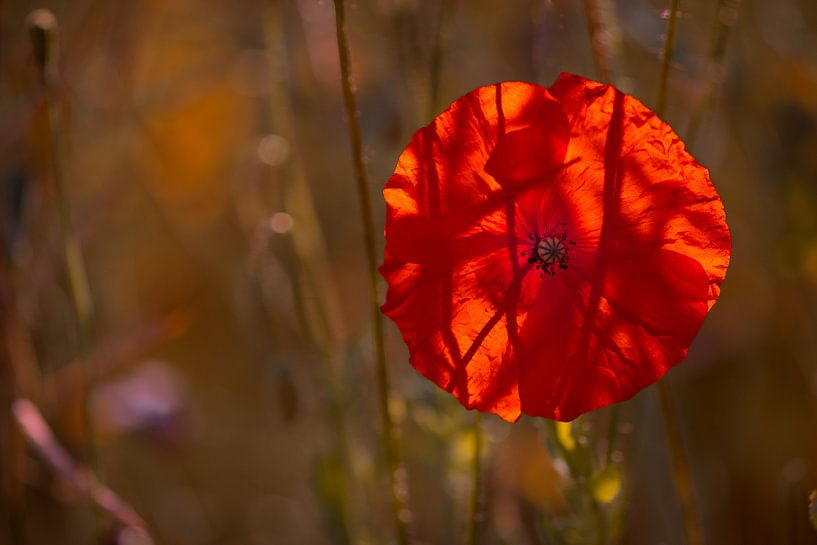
(680, 464)
(612, 434)
(725, 17)
(43, 27)
(598, 41)
(600, 38)
(680, 468)
(581, 465)
(390, 448)
(669, 44)
(598, 516)
(118, 353)
(437, 49)
(322, 327)
(474, 505)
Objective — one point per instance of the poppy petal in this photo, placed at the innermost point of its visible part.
(441, 189)
(665, 198)
(588, 343)
(531, 152)
(455, 339)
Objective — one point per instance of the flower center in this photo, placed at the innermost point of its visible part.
(549, 249)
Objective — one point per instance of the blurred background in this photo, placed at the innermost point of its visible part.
(227, 369)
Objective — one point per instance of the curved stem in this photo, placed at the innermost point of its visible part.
(389, 442)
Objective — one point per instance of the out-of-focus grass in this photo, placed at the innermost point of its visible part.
(165, 105)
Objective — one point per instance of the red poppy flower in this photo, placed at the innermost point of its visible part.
(550, 250)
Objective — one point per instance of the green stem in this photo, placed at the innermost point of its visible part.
(474, 506)
(612, 434)
(669, 44)
(580, 461)
(390, 448)
(680, 469)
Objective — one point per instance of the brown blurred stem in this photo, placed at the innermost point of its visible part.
(666, 60)
(581, 465)
(11, 501)
(725, 17)
(603, 59)
(315, 293)
(438, 48)
(612, 434)
(43, 33)
(389, 441)
(474, 507)
(117, 353)
(680, 468)
(595, 26)
(680, 464)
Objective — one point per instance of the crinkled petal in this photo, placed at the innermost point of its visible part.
(635, 297)
(590, 342)
(457, 336)
(664, 198)
(444, 186)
